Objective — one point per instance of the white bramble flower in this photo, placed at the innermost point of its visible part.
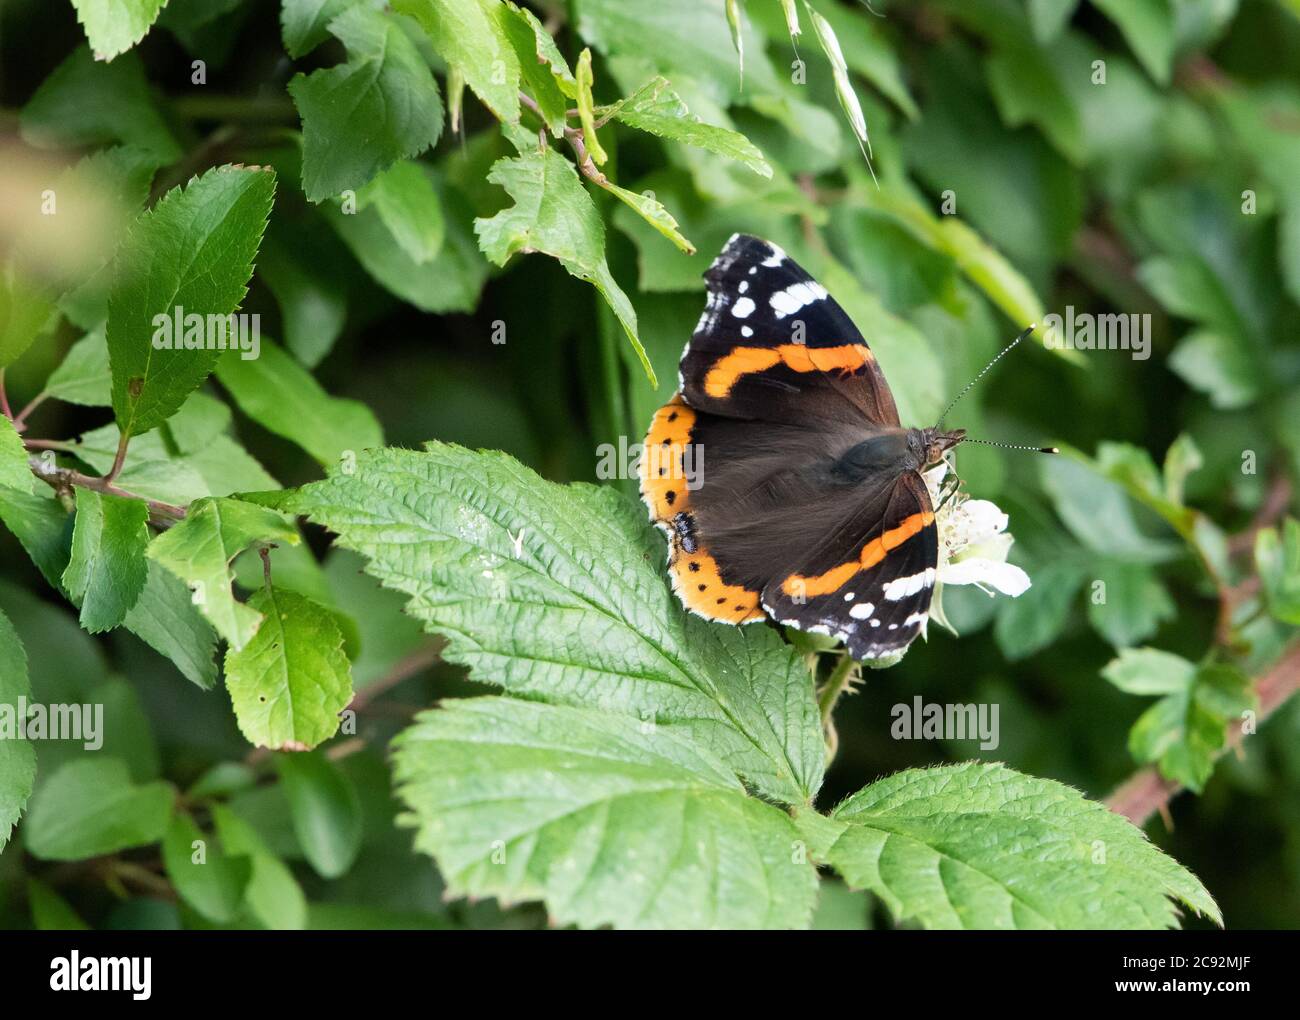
(973, 545)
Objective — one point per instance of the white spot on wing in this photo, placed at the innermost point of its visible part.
(788, 301)
(742, 308)
(902, 587)
(862, 610)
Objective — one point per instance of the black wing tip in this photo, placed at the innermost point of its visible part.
(743, 250)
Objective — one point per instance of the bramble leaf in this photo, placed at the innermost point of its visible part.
(982, 846)
(605, 820)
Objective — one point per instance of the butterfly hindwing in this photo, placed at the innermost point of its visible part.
(870, 583)
(773, 345)
(671, 473)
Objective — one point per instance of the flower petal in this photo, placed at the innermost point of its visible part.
(984, 520)
(1005, 577)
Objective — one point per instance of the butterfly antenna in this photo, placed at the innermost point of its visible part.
(1012, 446)
(1005, 350)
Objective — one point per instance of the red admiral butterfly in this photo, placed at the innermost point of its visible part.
(812, 509)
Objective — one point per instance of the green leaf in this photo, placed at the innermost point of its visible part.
(1049, 17)
(1148, 25)
(678, 37)
(1181, 459)
(1097, 510)
(291, 680)
(14, 470)
(106, 574)
(982, 846)
(194, 250)
(41, 526)
(205, 876)
(471, 35)
(1134, 605)
(409, 207)
(1149, 671)
(313, 299)
(544, 73)
(1185, 731)
(326, 811)
(361, 117)
(26, 312)
(986, 267)
(166, 619)
(554, 215)
(606, 820)
(657, 109)
(304, 24)
(1277, 558)
(50, 911)
(451, 282)
(278, 393)
(1026, 83)
(90, 807)
(114, 26)
(652, 211)
(199, 549)
(1218, 366)
(273, 895)
(84, 102)
(17, 757)
(558, 593)
(1031, 622)
(83, 377)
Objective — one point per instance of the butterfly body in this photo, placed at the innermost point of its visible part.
(780, 472)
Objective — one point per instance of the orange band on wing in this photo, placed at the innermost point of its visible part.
(745, 361)
(872, 553)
